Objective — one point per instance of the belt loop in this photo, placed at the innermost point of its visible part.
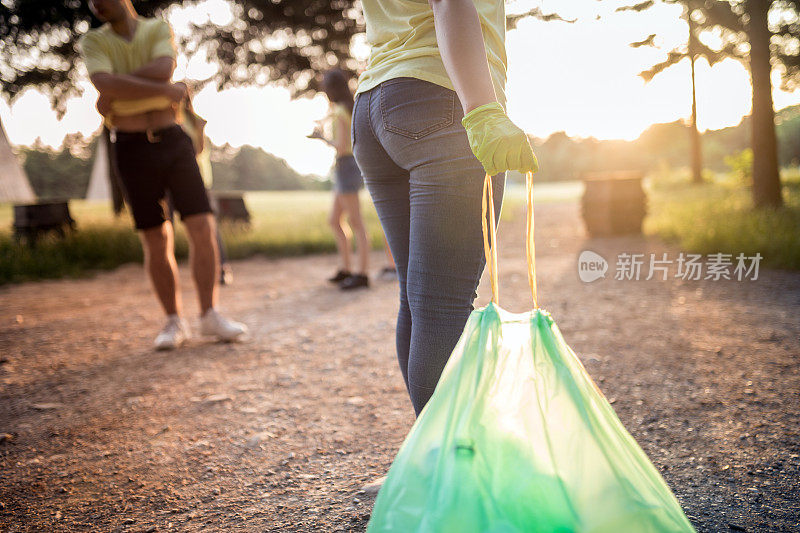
(152, 137)
(112, 135)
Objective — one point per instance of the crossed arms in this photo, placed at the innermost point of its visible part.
(153, 79)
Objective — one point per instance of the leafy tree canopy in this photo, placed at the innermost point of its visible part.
(719, 29)
(284, 41)
(276, 40)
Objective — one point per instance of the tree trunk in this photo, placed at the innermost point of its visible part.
(697, 154)
(766, 178)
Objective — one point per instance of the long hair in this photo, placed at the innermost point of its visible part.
(334, 83)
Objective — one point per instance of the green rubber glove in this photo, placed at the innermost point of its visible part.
(497, 142)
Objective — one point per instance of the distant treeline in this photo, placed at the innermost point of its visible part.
(253, 169)
(65, 173)
(565, 158)
(57, 174)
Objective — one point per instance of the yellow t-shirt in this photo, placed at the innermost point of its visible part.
(403, 43)
(104, 50)
(337, 132)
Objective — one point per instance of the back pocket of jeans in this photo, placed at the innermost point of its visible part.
(414, 108)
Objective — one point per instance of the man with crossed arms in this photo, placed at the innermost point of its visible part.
(130, 60)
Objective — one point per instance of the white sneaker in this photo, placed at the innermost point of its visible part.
(215, 325)
(173, 334)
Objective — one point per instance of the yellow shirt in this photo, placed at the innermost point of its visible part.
(403, 41)
(337, 132)
(104, 50)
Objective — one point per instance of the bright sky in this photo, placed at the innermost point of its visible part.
(579, 78)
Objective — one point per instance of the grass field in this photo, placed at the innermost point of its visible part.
(283, 224)
(714, 217)
(718, 216)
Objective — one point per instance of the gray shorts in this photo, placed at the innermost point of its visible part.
(347, 175)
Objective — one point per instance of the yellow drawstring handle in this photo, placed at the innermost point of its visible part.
(530, 247)
(490, 248)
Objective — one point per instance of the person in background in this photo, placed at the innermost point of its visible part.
(130, 60)
(429, 122)
(347, 183)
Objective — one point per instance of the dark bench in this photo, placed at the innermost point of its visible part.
(230, 207)
(32, 221)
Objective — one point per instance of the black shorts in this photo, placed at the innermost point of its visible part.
(156, 169)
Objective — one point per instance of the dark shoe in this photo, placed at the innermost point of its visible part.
(354, 281)
(340, 276)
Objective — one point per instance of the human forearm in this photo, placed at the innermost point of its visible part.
(129, 87)
(460, 41)
(497, 142)
(160, 70)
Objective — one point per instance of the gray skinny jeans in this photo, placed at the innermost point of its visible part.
(426, 185)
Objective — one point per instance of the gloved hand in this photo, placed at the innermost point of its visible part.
(497, 142)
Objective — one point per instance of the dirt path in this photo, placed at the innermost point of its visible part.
(281, 433)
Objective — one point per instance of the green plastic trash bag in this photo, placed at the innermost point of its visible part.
(518, 438)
